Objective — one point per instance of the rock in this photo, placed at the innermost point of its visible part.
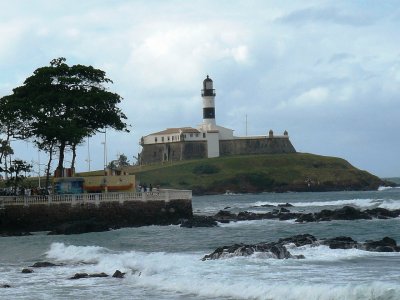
(80, 276)
(267, 205)
(228, 207)
(86, 275)
(349, 213)
(4, 286)
(283, 210)
(43, 264)
(199, 221)
(102, 274)
(78, 227)
(118, 274)
(14, 233)
(382, 213)
(285, 205)
(341, 242)
(274, 249)
(299, 240)
(387, 244)
(302, 218)
(224, 214)
(27, 271)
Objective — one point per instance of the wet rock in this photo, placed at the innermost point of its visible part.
(299, 240)
(43, 264)
(340, 242)
(224, 214)
(387, 244)
(344, 213)
(302, 218)
(285, 205)
(4, 286)
(27, 271)
(199, 221)
(382, 213)
(102, 274)
(86, 275)
(14, 233)
(118, 274)
(267, 205)
(274, 250)
(78, 227)
(79, 276)
(283, 210)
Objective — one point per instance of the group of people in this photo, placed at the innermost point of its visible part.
(144, 188)
(21, 191)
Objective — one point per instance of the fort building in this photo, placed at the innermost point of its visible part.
(208, 139)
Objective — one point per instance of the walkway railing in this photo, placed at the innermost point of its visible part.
(74, 199)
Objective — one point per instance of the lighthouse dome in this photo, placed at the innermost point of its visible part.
(208, 83)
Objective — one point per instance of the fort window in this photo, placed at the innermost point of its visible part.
(168, 138)
(204, 135)
(155, 139)
(162, 139)
(197, 135)
(172, 138)
(191, 135)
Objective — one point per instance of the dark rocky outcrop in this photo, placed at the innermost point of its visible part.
(199, 221)
(86, 275)
(118, 274)
(27, 271)
(387, 244)
(4, 286)
(14, 233)
(43, 264)
(282, 214)
(341, 242)
(78, 227)
(278, 249)
(285, 205)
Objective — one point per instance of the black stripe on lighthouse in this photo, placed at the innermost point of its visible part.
(209, 113)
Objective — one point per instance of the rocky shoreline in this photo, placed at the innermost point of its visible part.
(278, 250)
(280, 212)
(283, 213)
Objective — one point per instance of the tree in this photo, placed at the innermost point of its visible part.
(123, 161)
(60, 105)
(15, 169)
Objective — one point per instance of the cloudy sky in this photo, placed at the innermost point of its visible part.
(328, 72)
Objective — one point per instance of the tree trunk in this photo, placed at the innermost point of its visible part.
(61, 158)
(48, 169)
(73, 158)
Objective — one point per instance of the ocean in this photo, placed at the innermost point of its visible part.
(164, 262)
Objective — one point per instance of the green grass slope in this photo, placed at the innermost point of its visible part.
(258, 173)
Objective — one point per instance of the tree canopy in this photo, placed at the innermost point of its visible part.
(59, 105)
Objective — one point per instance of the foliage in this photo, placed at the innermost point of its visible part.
(122, 161)
(205, 169)
(17, 171)
(264, 172)
(60, 105)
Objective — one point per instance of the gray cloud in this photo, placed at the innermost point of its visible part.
(285, 66)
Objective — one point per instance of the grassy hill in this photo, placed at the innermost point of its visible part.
(258, 173)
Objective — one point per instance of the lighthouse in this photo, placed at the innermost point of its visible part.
(208, 96)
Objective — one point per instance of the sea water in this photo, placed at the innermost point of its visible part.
(164, 262)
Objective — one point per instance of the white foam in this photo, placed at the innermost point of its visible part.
(254, 277)
(361, 203)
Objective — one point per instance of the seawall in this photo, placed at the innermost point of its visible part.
(44, 217)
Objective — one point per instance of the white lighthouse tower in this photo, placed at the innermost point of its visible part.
(208, 95)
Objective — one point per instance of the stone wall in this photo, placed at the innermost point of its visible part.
(130, 213)
(255, 146)
(156, 153)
